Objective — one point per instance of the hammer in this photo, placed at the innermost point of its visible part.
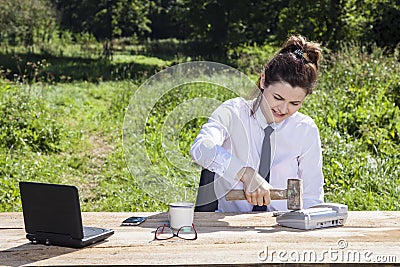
(293, 194)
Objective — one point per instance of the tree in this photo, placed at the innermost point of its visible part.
(222, 24)
(384, 28)
(317, 20)
(337, 21)
(106, 19)
(26, 22)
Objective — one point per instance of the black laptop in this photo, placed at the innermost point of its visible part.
(52, 216)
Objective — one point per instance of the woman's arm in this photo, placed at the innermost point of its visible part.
(310, 168)
(207, 149)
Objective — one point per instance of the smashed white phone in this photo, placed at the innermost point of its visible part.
(318, 216)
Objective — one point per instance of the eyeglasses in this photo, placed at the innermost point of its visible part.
(165, 232)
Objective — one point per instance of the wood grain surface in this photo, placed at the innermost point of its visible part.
(224, 238)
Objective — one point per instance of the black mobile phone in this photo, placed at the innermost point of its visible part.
(131, 221)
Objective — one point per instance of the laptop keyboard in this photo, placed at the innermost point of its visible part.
(91, 231)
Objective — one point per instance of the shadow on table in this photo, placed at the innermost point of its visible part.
(219, 222)
(29, 253)
(209, 222)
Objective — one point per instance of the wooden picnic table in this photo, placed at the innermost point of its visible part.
(223, 238)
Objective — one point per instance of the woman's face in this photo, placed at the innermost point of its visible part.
(283, 101)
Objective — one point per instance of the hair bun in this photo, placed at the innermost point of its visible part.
(311, 51)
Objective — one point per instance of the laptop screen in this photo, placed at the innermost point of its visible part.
(51, 208)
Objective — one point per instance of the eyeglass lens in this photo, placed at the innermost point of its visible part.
(164, 232)
(185, 232)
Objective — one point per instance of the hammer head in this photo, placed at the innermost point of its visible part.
(294, 194)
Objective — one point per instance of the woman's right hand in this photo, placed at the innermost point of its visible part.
(256, 188)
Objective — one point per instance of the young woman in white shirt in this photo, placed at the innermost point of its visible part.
(229, 144)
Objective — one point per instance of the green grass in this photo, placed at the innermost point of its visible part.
(71, 133)
(49, 68)
(90, 153)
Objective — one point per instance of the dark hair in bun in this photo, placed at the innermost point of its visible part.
(296, 63)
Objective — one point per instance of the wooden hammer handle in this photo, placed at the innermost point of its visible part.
(275, 194)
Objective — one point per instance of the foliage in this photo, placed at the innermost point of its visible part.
(26, 22)
(318, 20)
(222, 25)
(251, 59)
(30, 68)
(332, 22)
(26, 120)
(105, 19)
(385, 24)
(156, 133)
(208, 27)
(90, 153)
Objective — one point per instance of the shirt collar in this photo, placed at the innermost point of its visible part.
(260, 118)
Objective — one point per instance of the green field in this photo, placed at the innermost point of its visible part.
(62, 121)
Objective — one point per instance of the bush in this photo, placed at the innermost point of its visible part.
(26, 121)
(250, 59)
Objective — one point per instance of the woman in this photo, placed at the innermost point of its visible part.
(230, 143)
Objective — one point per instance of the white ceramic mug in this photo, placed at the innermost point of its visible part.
(180, 214)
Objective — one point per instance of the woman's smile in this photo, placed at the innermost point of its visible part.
(278, 114)
(282, 100)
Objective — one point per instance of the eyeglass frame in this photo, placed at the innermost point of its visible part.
(173, 234)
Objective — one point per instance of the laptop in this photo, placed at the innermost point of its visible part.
(52, 216)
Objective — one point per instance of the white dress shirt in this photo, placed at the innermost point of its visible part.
(232, 139)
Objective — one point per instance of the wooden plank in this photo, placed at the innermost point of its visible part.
(224, 238)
